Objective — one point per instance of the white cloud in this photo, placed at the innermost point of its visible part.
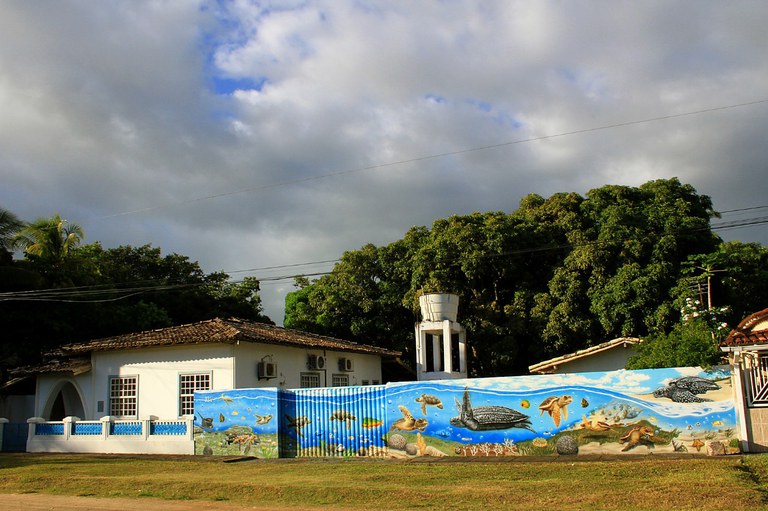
(111, 108)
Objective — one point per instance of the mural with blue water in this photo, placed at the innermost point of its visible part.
(632, 412)
(241, 421)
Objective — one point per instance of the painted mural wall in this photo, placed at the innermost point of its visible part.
(619, 412)
(237, 422)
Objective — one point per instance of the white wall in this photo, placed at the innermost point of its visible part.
(609, 360)
(158, 371)
(291, 362)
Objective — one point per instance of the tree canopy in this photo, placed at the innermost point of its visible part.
(63, 291)
(557, 275)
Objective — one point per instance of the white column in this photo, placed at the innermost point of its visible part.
(436, 352)
(463, 351)
(740, 400)
(421, 349)
(447, 347)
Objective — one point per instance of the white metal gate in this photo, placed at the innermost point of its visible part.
(756, 376)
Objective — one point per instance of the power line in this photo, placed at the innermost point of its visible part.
(65, 294)
(435, 156)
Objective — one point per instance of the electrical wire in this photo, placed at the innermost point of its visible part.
(457, 152)
(65, 294)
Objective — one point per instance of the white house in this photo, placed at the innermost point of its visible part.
(747, 349)
(155, 373)
(608, 356)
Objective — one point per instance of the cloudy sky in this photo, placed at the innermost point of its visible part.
(248, 135)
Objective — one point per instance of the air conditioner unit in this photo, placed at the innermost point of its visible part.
(345, 364)
(266, 370)
(316, 362)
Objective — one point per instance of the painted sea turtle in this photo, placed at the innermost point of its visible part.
(408, 422)
(594, 424)
(426, 399)
(297, 423)
(343, 416)
(488, 417)
(637, 435)
(695, 384)
(556, 407)
(684, 390)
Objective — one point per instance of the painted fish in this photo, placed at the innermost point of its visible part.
(222, 418)
(370, 423)
(525, 403)
(235, 412)
(584, 402)
(263, 419)
(717, 423)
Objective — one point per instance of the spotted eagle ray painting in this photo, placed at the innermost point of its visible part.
(236, 422)
(619, 412)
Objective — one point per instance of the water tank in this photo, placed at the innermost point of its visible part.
(439, 306)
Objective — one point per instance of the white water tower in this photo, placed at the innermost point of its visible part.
(441, 342)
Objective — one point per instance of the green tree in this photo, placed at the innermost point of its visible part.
(49, 239)
(10, 225)
(551, 277)
(688, 344)
(694, 341)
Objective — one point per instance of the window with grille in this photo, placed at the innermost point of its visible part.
(340, 380)
(309, 380)
(188, 384)
(123, 396)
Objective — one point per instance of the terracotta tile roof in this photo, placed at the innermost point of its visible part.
(228, 331)
(551, 364)
(75, 366)
(753, 330)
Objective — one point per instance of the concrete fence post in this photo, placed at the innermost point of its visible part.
(190, 421)
(3, 422)
(147, 424)
(106, 423)
(69, 425)
(33, 422)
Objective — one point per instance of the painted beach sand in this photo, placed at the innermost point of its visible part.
(627, 412)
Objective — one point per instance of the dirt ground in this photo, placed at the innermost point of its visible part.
(39, 502)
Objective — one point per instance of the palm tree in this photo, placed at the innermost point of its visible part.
(49, 238)
(9, 226)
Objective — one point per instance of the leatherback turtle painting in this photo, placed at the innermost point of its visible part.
(685, 390)
(488, 417)
(674, 410)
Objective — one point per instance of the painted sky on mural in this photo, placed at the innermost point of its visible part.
(248, 134)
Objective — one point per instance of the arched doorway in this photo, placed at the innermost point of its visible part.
(64, 402)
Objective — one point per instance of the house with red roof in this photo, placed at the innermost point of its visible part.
(747, 349)
(155, 373)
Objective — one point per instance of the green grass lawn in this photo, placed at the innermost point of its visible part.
(730, 483)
